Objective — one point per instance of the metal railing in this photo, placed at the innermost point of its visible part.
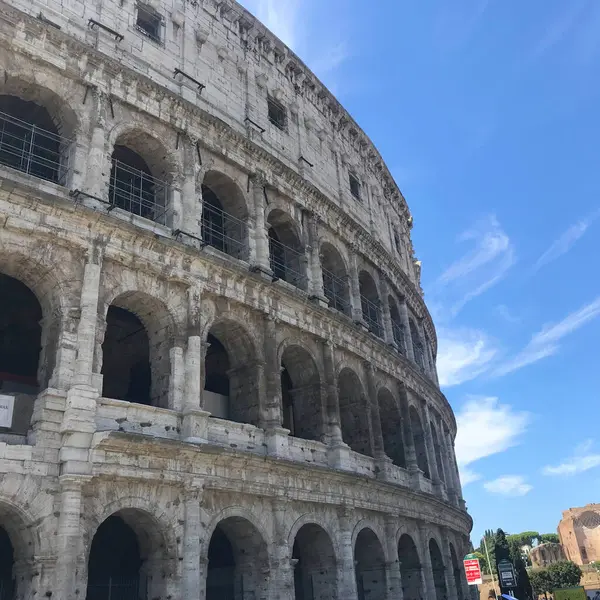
(287, 263)
(224, 231)
(336, 291)
(115, 588)
(371, 313)
(33, 150)
(398, 333)
(137, 192)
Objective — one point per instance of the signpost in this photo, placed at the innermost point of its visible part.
(506, 574)
(472, 570)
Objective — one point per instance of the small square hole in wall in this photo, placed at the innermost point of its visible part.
(277, 113)
(354, 186)
(149, 22)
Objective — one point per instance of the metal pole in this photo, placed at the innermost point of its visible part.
(487, 553)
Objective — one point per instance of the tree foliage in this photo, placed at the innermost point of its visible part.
(549, 538)
(563, 574)
(540, 581)
(525, 538)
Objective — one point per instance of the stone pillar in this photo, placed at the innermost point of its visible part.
(403, 310)
(449, 570)
(259, 256)
(388, 334)
(449, 478)
(282, 576)
(426, 568)
(431, 458)
(392, 568)
(454, 468)
(346, 572)
(191, 194)
(426, 351)
(355, 300)
(378, 447)
(315, 289)
(68, 538)
(407, 434)
(192, 577)
(177, 378)
(98, 160)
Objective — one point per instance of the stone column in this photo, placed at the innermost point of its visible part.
(346, 572)
(192, 577)
(407, 434)
(68, 538)
(426, 568)
(177, 378)
(388, 334)
(98, 160)
(403, 310)
(449, 570)
(449, 478)
(454, 468)
(431, 458)
(378, 447)
(282, 576)
(314, 261)
(259, 255)
(426, 351)
(355, 300)
(392, 568)
(191, 193)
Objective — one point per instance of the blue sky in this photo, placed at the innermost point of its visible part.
(487, 112)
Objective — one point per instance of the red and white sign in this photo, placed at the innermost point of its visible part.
(473, 571)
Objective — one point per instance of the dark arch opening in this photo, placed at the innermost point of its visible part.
(7, 558)
(238, 562)
(315, 576)
(419, 441)
(410, 569)
(456, 573)
(29, 139)
(114, 567)
(354, 413)
(301, 394)
(391, 428)
(126, 358)
(286, 252)
(369, 562)
(231, 374)
(335, 279)
(437, 567)
(370, 303)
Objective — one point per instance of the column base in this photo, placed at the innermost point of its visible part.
(361, 325)
(262, 272)
(277, 442)
(384, 466)
(320, 300)
(194, 428)
(338, 456)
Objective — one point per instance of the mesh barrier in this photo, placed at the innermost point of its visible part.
(372, 315)
(335, 290)
(287, 263)
(224, 231)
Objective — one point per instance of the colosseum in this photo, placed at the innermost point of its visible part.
(217, 370)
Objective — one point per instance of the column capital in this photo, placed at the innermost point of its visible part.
(73, 483)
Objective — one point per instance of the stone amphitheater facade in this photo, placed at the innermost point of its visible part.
(217, 370)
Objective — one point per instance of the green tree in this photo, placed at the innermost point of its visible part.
(490, 539)
(540, 582)
(595, 565)
(501, 548)
(525, 538)
(564, 574)
(549, 538)
(524, 588)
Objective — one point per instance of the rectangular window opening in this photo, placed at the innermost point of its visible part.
(149, 22)
(277, 113)
(354, 186)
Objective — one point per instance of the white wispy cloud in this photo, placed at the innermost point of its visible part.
(582, 460)
(503, 311)
(508, 485)
(485, 264)
(463, 355)
(486, 427)
(566, 241)
(547, 341)
(282, 18)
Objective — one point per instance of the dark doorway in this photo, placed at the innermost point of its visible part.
(7, 586)
(221, 568)
(410, 569)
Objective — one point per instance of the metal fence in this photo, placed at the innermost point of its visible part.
(371, 312)
(115, 588)
(287, 263)
(224, 231)
(398, 333)
(137, 192)
(336, 291)
(33, 150)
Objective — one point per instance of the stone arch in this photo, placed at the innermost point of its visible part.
(370, 302)
(391, 427)
(438, 570)
(335, 278)
(418, 434)
(301, 392)
(286, 249)
(224, 215)
(314, 560)
(354, 412)
(142, 174)
(410, 568)
(456, 573)
(237, 555)
(147, 328)
(369, 560)
(44, 151)
(232, 379)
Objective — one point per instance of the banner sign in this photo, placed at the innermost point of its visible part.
(506, 574)
(472, 570)
(7, 404)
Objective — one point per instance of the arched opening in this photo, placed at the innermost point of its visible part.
(417, 345)
(397, 327)
(457, 574)
(231, 385)
(369, 561)
(335, 279)
(437, 567)
(224, 215)
(138, 177)
(20, 345)
(354, 413)
(126, 358)
(370, 303)
(30, 141)
(286, 251)
(391, 427)
(7, 558)
(238, 562)
(301, 394)
(437, 451)
(419, 441)
(315, 576)
(410, 569)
